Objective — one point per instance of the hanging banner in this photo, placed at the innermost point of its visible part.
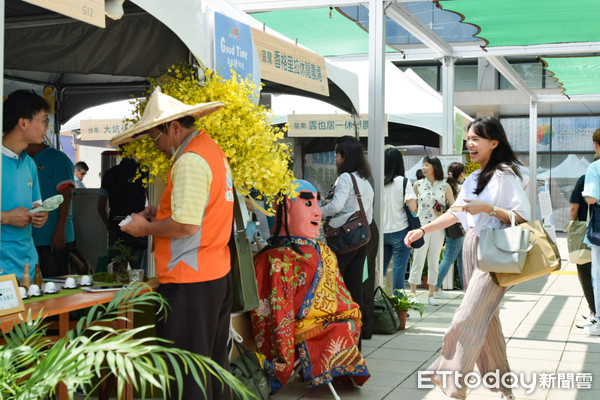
(328, 125)
(101, 129)
(89, 11)
(285, 63)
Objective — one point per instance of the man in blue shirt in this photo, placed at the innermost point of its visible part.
(25, 121)
(55, 239)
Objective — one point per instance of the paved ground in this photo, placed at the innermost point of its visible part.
(538, 319)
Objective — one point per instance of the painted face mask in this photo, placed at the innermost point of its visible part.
(304, 213)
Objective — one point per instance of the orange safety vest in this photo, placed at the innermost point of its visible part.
(203, 256)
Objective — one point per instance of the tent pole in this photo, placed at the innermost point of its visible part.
(448, 106)
(376, 114)
(533, 122)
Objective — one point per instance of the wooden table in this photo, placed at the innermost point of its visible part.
(61, 306)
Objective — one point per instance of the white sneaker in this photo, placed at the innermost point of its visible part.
(432, 301)
(592, 330)
(440, 294)
(503, 396)
(588, 320)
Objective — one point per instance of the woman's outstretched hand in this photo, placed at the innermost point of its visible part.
(476, 206)
(413, 235)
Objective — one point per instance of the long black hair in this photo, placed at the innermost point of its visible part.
(354, 159)
(503, 157)
(394, 165)
(438, 171)
(454, 171)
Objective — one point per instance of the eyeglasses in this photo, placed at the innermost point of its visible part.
(45, 121)
(163, 129)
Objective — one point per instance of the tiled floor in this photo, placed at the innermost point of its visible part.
(538, 319)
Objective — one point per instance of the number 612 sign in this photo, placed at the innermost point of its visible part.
(10, 298)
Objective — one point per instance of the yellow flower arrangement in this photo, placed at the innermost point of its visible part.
(258, 159)
(470, 167)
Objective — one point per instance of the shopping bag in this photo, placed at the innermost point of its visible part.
(504, 249)
(245, 289)
(579, 252)
(542, 259)
(385, 317)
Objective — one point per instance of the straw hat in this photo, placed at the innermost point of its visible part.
(160, 109)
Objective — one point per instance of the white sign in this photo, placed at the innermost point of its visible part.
(546, 209)
(101, 129)
(89, 11)
(328, 125)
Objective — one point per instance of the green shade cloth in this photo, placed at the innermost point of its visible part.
(314, 29)
(577, 75)
(530, 22)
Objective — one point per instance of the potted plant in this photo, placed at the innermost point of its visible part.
(404, 302)
(32, 366)
(120, 257)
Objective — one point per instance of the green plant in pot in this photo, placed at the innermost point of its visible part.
(120, 257)
(403, 302)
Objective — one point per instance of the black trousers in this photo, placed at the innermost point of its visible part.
(199, 322)
(368, 286)
(584, 273)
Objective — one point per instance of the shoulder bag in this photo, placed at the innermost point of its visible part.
(504, 249)
(248, 369)
(541, 260)
(593, 229)
(385, 317)
(355, 232)
(413, 221)
(579, 252)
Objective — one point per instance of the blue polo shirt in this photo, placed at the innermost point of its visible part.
(55, 170)
(20, 188)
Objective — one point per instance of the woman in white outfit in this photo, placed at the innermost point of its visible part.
(487, 198)
(432, 195)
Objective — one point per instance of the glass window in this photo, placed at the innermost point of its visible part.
(465, 77)
(531, 73)
(573, 133)
(428, 73)
(517, 133)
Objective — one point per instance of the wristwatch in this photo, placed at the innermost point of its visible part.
(494, 211)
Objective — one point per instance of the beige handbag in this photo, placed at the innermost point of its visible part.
(504, 249)
(542, 259)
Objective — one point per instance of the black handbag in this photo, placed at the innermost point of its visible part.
(455, 231)
(385, 317)
(593, 229)
(413, 221)
(355, 232)
(248, 370)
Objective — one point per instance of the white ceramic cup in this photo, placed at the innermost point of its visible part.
(70, 283)
(50, 287)
(85, 280)
(34, 290)
(23, 292)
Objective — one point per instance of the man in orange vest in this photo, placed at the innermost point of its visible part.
(191, 230)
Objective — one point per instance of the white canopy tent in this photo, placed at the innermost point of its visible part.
(571, 167)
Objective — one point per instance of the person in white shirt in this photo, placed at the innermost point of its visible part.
(486, 200)
(350, 159)
(397, 191)
(81, 170)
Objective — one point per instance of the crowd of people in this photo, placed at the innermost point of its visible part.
(309, 295)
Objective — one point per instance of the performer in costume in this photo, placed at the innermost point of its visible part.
(305, 313)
